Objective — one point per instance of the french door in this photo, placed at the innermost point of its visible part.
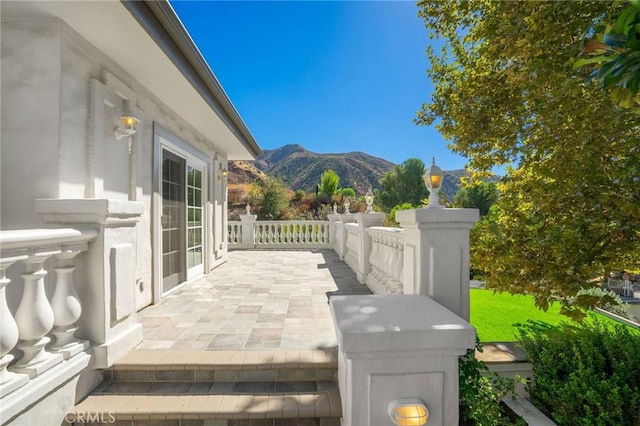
(183, 195)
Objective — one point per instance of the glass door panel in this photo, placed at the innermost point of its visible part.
(173, 221)
(194, 220)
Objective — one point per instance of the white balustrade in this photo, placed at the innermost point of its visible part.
(387, 258)
(291, 234)
(35, 317)
(9, 381)
(234, 229)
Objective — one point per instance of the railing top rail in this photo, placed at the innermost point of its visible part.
(291, 222)
(26, 238)
(385, 230)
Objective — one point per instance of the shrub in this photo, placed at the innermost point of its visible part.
(481, 392)
(605, 299)
(585, 374)
(391, 216)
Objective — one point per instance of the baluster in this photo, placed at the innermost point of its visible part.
(9, 381)
(326, 233)
(35, 319)
(314, 233)
(66, 308)
(270, 235)
(295, 233)
(287, 233)
(307, 234)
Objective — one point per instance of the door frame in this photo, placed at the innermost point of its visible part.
(163, 139)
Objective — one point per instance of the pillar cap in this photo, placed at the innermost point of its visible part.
(403, 322)
(438, 216)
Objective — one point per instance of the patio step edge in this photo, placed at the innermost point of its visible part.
(226, 360)
(203, 407)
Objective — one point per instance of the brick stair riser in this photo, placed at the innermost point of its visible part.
(280, 375)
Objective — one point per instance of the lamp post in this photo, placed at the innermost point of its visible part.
(368, 197)
(347, 203)
(433, 181)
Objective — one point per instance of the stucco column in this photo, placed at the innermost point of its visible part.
(436, 255)
(106, 281)
(248, 237)
(395, 347)
(366, 220)
(333, 218)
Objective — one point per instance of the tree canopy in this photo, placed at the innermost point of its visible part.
(329, 184)
(506, 94)
(404, 184)
(480, 196)
(270, 196)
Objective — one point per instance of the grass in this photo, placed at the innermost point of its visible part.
(495, 315)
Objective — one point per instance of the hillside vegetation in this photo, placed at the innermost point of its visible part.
(300, 168)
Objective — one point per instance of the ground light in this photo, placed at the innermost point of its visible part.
(408, 412)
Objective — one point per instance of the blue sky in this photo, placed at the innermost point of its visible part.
(332, 76)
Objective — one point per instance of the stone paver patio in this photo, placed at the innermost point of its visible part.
(275, 299)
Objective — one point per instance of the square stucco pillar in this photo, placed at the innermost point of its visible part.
(366, 220)
(248, 238)
(341, 234)
(107, 279)
(396, 347)
(436, 255)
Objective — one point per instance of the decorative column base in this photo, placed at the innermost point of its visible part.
(65, 342)
(10, 381)
(35, 360)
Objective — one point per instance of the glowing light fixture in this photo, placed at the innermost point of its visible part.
(408, 412)
(224, 173)
(128, 127)
(433, 181)
(368, 197)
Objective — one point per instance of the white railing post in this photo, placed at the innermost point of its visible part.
(333, 219)
(366, 220)
(35, 320)
(398, 346)
(248, 237)
(67, 307)
(109, 316)
(9, 381)
(436, 255)
(341, 248)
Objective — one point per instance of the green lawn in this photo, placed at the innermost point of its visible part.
(494, 315)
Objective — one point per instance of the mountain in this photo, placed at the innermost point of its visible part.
(300, 168)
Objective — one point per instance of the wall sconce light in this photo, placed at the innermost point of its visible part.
(408, 412)
(347, 204)
(433, 181)
(129, 127)
(368, 197)
(223, 174)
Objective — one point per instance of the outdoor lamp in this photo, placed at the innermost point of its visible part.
(408, 412)
(433, 181)
(129, 126)
(346, 205)
(224, 173)
(368, 197)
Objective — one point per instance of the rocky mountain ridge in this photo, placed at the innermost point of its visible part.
(300, 168)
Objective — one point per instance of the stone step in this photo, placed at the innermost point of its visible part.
(227, 388)
(225, 366)
(319, 408)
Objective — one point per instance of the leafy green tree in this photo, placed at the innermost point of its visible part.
(329, 183)
(616, 53)
(270, 197)
(505, 94)
(404, 184)
(480, 196)
(347, 192)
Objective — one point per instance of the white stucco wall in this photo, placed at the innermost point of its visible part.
(31, 73)
(46, 130)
